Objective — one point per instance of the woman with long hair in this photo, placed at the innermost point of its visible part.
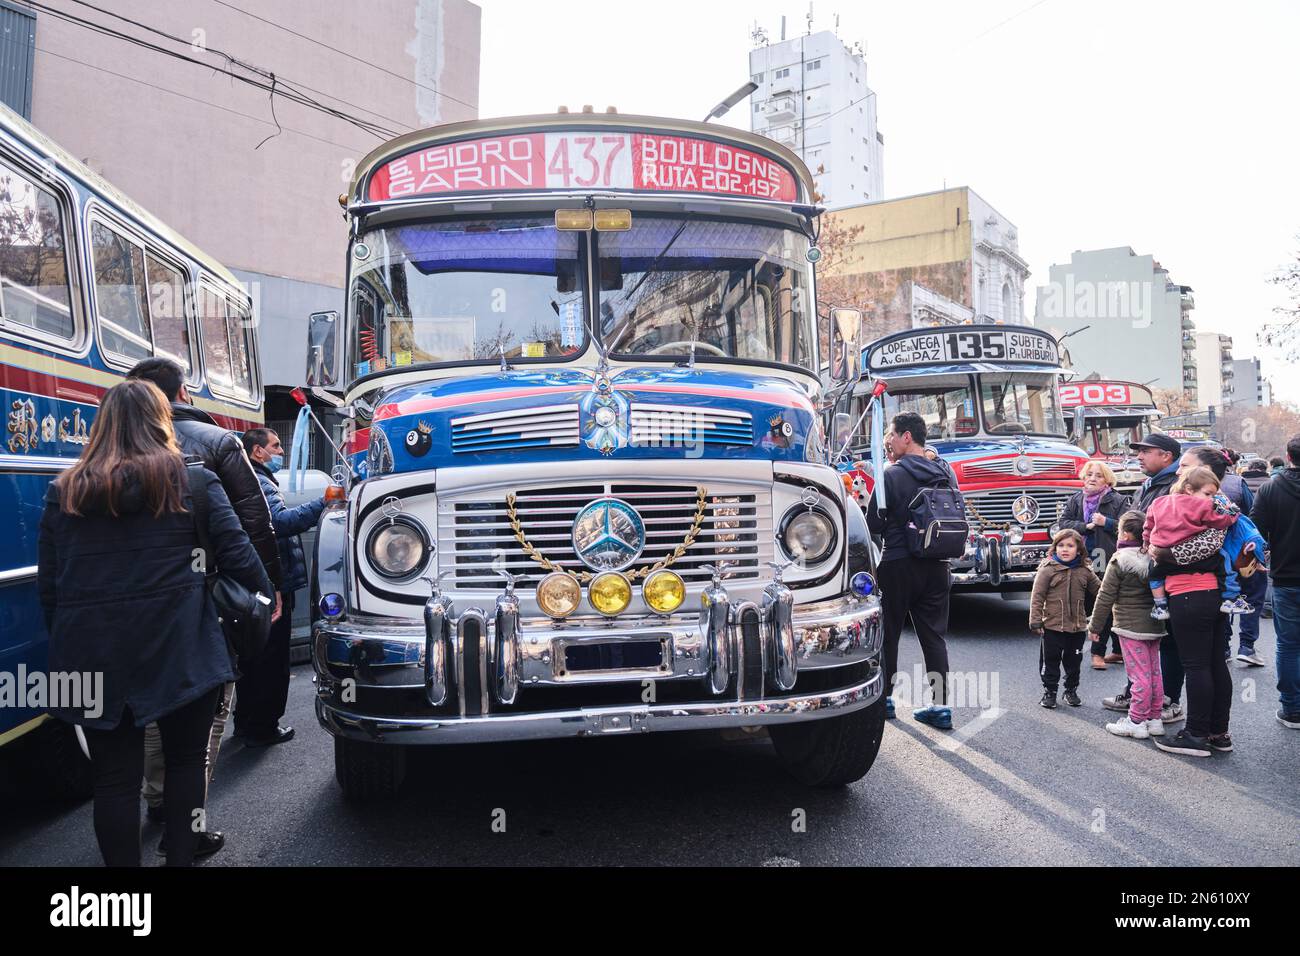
(121, 579)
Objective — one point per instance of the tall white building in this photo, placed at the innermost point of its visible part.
(813, 97)
(1214, 369)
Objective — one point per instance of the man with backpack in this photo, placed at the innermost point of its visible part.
(922, 524)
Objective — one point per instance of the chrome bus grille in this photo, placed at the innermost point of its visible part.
(476, 538)
(995, 506)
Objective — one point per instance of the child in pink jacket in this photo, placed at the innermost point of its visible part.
(1185, 527)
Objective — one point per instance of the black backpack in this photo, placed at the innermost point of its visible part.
(937, 528)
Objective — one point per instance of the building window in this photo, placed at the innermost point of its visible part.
(1006, 301)
(758, 108)
(814, 65)
(17, 53)
(781, 74)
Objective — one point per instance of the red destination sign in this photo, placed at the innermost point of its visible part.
(584, 160)
(1104, 393)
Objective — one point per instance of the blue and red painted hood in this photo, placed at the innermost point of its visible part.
(566, 414)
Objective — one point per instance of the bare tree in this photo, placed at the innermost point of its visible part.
(1283, 333)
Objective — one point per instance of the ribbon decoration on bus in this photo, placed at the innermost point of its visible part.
(955, 345)
(588, 159)
(1074, 394)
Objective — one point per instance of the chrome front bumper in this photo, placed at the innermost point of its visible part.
(993, 561)
(470, 667)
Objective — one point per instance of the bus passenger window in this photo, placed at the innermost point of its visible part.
(33, 258)
(171, 333)
(216, 345)
(119, 294)
(241, 358)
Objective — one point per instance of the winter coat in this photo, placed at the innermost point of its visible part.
(1175, 518)
(289, 523)
(1060, 594)
(125, 597)
(1277, 515)
(902, 481)
(1105, 539)
(1156, 486)
(1125, 595)
(223, 455)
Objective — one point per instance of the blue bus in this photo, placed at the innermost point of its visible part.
(90, 283)
(580, 370)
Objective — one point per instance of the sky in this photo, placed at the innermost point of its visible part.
(1166, 126)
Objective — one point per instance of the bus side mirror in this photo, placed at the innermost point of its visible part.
(846, 345)
(841, 430)
(1079, 427)
(323, 350)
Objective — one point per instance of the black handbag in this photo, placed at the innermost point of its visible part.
(245, 615)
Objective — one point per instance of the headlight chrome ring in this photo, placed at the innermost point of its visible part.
(398, 548)
(808, 536)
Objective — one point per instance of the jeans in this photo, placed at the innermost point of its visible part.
(117, 763)
(1286, 623)
(920, 588)
(1255, 590)
(1201, 634)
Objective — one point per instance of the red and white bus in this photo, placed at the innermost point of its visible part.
(1107, 417)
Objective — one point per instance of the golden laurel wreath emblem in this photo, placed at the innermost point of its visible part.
(584, 576)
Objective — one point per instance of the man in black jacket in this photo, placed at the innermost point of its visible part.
(910, 585)
(222, 454)
(1277, 515)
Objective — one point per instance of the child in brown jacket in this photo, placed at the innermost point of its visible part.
(1064, 581)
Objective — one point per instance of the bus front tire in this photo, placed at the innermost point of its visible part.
(368, 772)
(834, 751)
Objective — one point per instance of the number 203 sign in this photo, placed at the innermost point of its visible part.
(596, 159)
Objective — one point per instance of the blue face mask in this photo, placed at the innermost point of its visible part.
(275, 464)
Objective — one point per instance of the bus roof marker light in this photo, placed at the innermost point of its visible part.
(613, 220)
(573, 220)
(813, 254)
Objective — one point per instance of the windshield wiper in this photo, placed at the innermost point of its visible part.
(654, 265)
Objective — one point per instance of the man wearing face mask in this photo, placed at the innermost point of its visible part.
(263, 691)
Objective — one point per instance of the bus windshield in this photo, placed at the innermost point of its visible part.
(948, 410)
(467, 289)
(735, 290)
(1017, 403)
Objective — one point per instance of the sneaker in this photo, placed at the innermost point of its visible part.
(1239, 606)
(1247, 655)
(1291, 720)
(1118, 702)
(1221, 742)
(938, 717)
(1160, 613)
(1049, 700)
(1185, 744)
(1172, 713)
(1156, 728)
(1071, 697)
(889, 708)
(1227, 606)
(1125, 727)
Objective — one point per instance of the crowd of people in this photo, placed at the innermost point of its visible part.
(122, 575)
(1158, 577)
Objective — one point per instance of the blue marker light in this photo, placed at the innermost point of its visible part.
(331, 605)
(862, 584)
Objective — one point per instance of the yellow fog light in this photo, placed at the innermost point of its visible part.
(559, 594)
(610, 593)
(572, 220)
(613, 220)
(664, 591)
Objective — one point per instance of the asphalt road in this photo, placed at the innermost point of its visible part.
(1012, 785)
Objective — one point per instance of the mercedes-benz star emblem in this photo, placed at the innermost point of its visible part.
(1025, 509)
(608, 535)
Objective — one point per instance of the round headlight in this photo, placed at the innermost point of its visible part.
(397, 549)
(559, 594)
(1016, 535)
(610, 593)
(809, 537)
(664, 591)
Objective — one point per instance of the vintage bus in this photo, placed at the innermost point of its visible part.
(90, 283)
(580, 367)
(988, 395)
(1106, 417)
